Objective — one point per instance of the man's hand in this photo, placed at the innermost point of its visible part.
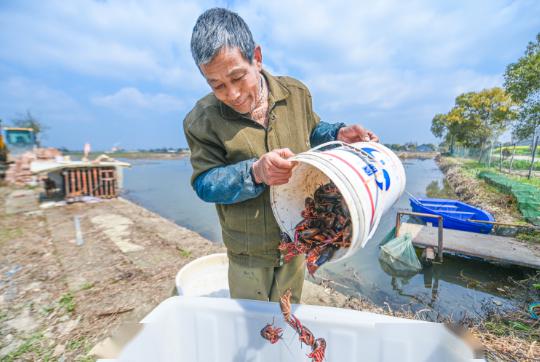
(356, 133)
(273, 168)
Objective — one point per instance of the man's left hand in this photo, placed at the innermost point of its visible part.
(356, 133)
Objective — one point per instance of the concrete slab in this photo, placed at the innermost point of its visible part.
(486, 246)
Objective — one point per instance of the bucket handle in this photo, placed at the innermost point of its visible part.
(331, 143)
(343, 144)
(361, 153)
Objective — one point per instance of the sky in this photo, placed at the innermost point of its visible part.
(120, 73)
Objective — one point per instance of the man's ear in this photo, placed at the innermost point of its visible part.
(257, 57)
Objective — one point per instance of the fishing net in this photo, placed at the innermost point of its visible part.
(398, 257)
(527, 196)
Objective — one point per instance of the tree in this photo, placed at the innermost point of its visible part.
(29, 121)
(522, 82)
(476, 118)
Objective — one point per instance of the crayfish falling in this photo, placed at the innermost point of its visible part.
(325, 227)
(273, 334)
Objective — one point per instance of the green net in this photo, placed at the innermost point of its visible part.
(398, 256)
(527, 196)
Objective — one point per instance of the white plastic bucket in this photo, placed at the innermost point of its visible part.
(370, 177)
(206, 276)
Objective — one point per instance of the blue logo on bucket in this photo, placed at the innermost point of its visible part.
(372, 152)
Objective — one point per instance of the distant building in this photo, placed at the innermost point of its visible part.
(425, 148)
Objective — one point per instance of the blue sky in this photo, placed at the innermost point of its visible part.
(120, 73)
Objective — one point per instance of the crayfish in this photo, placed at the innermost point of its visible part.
(271, 333)
(324, 228)
(318, 346)
(318, 350)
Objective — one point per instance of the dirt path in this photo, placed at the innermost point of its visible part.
(58, 298)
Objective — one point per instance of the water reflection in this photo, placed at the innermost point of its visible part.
(440, 189)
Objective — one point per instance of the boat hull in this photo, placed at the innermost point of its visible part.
(455, 214)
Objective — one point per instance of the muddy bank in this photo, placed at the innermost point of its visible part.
(59, 297)
(477, 192)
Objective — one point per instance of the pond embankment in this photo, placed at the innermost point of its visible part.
(477, 192)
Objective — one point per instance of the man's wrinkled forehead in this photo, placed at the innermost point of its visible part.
(228, 63)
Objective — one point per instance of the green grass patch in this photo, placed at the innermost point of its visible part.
(518, 164)
(520, 150)
(507, 327)
(531, 236)
(87, 286)
(76, 344)
(32, 345)
(48, 309)
(535, 181)
(8, 234)
(67, 301)
(184, 253)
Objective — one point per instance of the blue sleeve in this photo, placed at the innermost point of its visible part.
(325, 132)
(228, 184)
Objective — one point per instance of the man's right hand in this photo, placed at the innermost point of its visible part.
(273, 168)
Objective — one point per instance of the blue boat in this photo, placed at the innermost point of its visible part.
(455, 214)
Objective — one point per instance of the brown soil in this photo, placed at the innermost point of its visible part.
(58, 298)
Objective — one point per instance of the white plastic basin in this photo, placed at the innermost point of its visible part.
(204, 277)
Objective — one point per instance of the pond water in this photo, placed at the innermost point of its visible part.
(456, 287)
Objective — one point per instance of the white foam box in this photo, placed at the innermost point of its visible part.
(197, 329)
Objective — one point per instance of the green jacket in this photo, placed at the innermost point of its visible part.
(219, 136)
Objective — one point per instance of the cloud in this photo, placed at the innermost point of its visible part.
(115, 40)
(385, 62)
(18, 94)
(132, 99)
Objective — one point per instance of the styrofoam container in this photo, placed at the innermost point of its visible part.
(206, 276)
(370, 177)
(202, 329)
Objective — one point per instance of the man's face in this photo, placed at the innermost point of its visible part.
(234, 80)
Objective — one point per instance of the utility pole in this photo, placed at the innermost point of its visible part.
(500, 156)
(535, 144)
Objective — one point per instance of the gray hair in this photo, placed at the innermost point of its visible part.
(217, 28)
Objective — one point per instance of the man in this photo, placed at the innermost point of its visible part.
(240, 137)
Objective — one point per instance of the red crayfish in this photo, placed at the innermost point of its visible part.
(325, 227)
(271, 333)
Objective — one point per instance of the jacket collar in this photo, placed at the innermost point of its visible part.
(276, 92)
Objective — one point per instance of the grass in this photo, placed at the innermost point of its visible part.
(67, 301)
(474, 167)
(535, 181)
(184, 253)
(530, 236)
(87, 286)
(8, 234)
(75, 344)
(34, 345)
(520, 150)
(48, 309)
